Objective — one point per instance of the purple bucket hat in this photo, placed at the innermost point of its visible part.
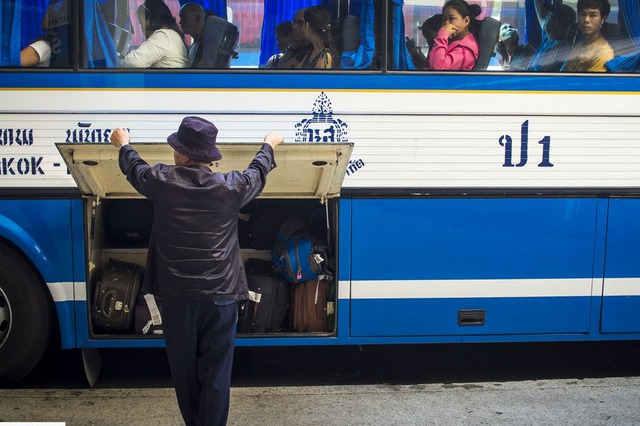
(196, 138)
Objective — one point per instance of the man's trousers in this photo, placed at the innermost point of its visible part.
(199, 337)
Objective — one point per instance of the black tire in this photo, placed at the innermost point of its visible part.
(25, 317)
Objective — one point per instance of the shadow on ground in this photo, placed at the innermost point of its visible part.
(342, 365)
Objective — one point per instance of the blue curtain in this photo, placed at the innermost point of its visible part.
(400, 59)
(276, 11)
(532, 30)
(10, 23)
(627, 63)
(218, 7)
(31, 21)
(100, 52)
(363, 57)
(630, 10)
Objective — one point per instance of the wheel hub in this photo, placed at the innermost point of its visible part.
(5, 317)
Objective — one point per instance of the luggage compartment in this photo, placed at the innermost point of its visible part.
(118, 220)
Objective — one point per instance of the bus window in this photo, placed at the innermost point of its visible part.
(134, 34)
(347, 30)
(527, 42)
(39, 34)
(248, 16)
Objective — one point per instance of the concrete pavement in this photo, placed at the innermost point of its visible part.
(596, 401)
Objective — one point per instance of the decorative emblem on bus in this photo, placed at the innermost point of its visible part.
(322, 126)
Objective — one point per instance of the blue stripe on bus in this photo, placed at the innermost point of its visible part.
(431, 239)
(313, 81)
(429, 317)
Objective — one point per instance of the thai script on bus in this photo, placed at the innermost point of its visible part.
(10, 137)
(507, 142)
(354, 166)
(88, 135)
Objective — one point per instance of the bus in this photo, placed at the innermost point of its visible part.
(489, 205)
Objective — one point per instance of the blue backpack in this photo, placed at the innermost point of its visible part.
(296, 255)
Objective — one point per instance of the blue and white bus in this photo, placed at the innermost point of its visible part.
(478, 206)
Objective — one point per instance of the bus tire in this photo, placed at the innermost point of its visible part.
(25, 317)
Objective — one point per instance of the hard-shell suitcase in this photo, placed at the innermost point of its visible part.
(114, 296)
(269, 304)
(219, 40)
(308, 310)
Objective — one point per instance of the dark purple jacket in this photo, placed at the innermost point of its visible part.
(194, 251)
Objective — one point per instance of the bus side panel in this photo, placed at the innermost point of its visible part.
(621, 301)
(517, 265)
(40, 230)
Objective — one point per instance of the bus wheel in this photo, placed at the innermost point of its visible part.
(25, 317)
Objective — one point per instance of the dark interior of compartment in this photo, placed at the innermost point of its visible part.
(127, 223)
(261, 219)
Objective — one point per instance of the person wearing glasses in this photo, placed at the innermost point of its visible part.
(297, 50)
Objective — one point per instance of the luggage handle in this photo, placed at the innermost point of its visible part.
(110, 299)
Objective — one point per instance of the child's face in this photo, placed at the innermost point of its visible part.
(453, 17)
(589, 21)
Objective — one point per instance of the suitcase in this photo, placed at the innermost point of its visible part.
(148, 315)
(114, 296)
(219, 40)
(269, 304)
(308, 310)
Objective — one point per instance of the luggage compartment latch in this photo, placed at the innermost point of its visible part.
(471, 317)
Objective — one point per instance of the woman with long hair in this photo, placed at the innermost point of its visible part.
(164, 46)
(455, 46)
(317, 31)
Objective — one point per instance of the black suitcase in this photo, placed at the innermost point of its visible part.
(269, 308)
(148, 315)
(219, 40)
(114, 296)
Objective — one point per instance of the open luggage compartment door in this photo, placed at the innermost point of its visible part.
(305, 170)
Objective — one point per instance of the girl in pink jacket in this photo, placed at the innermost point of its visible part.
(455, 46)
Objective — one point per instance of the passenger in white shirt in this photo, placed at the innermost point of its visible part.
(51, 49)
(164, 47)
(37, 54)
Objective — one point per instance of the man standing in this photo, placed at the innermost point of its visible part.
(194, 261)
(192, 18)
